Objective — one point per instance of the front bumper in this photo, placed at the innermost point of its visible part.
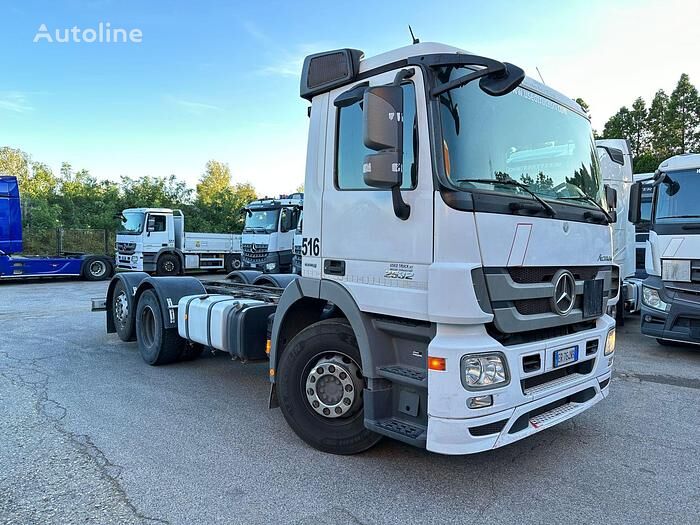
(136, 262)
(529, 403)
(269, 264)
(682, 321)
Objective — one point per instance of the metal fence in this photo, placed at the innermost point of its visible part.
(61, 241)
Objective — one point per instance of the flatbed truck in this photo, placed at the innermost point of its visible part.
(154, 240)
(456, 263)
(14, 264)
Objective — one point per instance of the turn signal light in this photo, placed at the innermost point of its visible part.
(268, 346)
(437, 363)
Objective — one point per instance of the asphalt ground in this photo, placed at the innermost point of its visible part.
(91, 434)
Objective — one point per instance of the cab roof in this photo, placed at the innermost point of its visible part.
(687, 161)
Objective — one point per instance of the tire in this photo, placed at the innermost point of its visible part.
(158, 345)
(326, 345)
(122, 313)
(96, 269)
(168, 264)
(620, 314)
(232, 263)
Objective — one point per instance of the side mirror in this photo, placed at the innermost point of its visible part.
(611, 197)
(382, 131)
(635, 211)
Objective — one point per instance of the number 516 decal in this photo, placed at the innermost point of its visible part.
(311, 246)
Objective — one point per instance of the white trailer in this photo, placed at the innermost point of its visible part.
(154, 240)
(456, 263)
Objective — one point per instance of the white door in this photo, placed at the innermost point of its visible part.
(157, 234)
(381, 259)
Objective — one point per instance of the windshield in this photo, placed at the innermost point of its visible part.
(132, 223)
(678, 202)
(261, 221)
(521, 136)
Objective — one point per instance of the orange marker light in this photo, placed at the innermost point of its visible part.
(268, 346)
(272, 372)
(437, 363)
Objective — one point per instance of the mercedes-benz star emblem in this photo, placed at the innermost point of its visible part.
(564, 292)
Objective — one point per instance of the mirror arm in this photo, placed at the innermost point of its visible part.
(402, 75)
(401, 209)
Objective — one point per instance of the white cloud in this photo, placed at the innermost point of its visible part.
(15, 101)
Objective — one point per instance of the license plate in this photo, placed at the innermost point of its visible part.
(565, 356)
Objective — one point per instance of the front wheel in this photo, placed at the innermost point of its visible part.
(320, 388)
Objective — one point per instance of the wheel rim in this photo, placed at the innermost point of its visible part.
(148, 326)
(121, 308)
(333, 386)
(98, 268)
(169, 266)
(237, 264)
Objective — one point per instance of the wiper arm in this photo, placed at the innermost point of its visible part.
(590, 199)
(522, 186)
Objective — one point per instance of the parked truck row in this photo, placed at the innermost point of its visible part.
(456, 262)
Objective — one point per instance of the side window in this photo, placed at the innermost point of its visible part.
(351, 151)
(158, 223)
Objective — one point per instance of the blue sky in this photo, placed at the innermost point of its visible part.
(219, 80)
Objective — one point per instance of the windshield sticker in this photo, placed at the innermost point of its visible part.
(538, 99)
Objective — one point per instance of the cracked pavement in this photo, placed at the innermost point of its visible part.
(90, 434)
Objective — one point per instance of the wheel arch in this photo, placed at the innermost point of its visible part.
(169, 290)
(171, 251)
(131, 281)
(303, 303)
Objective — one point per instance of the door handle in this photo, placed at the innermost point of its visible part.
(334, 267)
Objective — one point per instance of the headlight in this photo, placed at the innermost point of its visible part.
(651, 298)
(134, 258)
(610, 342)
(484, 370)
(270, 266)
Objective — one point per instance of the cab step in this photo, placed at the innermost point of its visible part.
(400, 430)
(405, 375)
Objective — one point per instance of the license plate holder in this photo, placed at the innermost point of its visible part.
(565, 356)
(593, 298)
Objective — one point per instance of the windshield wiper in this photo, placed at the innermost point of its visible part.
(590, 199)
(515, 183)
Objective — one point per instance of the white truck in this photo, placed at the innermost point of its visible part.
(671, 292)
(154, 240)
(268, 234)
(456, 263)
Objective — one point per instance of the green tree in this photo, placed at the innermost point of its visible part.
(658, 124)
(638, 131)
(684, 116)
(619, 125)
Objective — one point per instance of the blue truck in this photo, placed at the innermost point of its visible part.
(15, 265)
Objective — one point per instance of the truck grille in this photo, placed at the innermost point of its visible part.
(126, 248)
(521, 297)
(254, 252)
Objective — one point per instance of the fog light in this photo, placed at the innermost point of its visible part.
(480, 402)
(270, 266)
(481, 371)
(652, 299)
(610, 342)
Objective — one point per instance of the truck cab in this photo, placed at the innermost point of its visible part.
(268, 235)
(154, 240)
(670, 306)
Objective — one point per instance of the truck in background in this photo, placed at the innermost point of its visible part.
(154, 240)
(15, 265)
(671, 292)
(268, 234)
(641, 229)
(457, 263)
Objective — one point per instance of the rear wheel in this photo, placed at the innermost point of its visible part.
(158, 345)
(122, 314)
(168, 264)
(96, 269)
(320, 388)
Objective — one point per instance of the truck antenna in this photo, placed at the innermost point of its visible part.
(540, 74)
(413, 37)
